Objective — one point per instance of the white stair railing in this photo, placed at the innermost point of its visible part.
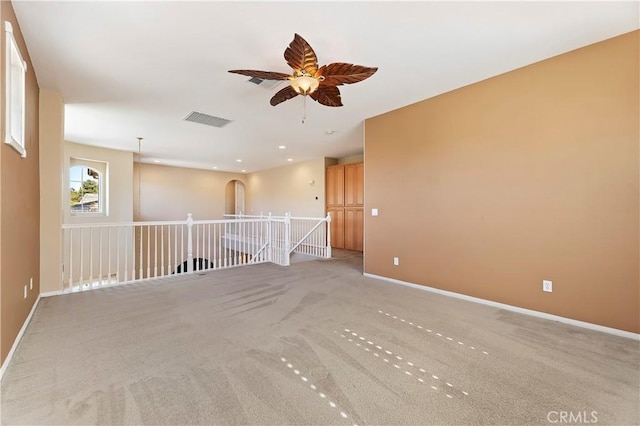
(308, 235)
(96, 255)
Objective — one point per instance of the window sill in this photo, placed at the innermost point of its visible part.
(15, 145)
(87, 214)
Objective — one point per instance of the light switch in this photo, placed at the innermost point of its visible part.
(374, 212)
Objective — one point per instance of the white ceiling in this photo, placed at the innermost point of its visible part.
(129, 69)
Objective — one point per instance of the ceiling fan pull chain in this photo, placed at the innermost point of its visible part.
(304, 108)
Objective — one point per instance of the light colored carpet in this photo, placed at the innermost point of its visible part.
(314, 343)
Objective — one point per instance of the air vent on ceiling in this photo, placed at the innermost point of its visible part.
(209, 120)
(267, 84)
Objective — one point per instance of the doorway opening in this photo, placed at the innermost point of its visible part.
(234, 198)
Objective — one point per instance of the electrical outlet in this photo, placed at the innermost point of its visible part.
(547, 286)
(374, 212)
(396, 261)
(25, 291)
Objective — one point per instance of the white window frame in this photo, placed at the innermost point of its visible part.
(103, 170)
(16, 73)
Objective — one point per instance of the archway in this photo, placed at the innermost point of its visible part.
(234, 197)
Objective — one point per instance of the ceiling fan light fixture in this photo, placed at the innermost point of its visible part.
(304, 85)
(321, 83)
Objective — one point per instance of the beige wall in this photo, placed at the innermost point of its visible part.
(230, 198)
(351, 159)
(288, 189)
(530, 175)
(331, 161)
(119, 181)
(169, 193)
(51, 183)
(19, 204)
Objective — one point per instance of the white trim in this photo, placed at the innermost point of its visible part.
(16, 342)
(102, 168)
(588, 325)
(52, 293)
(11, 46)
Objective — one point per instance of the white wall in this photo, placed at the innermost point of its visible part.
(288, 189)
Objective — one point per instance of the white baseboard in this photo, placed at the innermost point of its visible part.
(615, 331)
(16, 342)
(51, 293)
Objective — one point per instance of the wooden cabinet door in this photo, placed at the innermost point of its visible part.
(335, 186)
(354, 185)
(354, 228)
(337, 227)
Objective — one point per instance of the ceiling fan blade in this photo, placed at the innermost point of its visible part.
(283, 95)
(327, 95)
(263, 75)
(300, 56)
(340, 73)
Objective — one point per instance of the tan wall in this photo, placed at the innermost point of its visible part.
(351, 159)
(230, 198)
(169, 193)
(331, 161)
(51, 183)
(288, 189)
(19, 204)
(530, 175)
(119, 181)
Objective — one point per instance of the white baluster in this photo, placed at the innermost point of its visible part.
(196, 266)
(162, 251)
(117, 254)
(126, 255)
(70, 259)
(100, 251)
(189, 243)
(169, 264)
(91, 257)
(81, 258)
(155, 250)
(328, 255)
(287, 239)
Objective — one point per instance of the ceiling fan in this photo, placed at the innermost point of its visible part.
(307, 79)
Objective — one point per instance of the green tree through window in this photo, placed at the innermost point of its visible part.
(84, 189)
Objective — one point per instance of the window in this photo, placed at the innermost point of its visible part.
(16, 69)
(87, 186)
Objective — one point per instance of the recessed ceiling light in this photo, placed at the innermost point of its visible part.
(156, 161)
(239, 160)
(330, 132)
(282, 147)
(215, 167)
(243, 171)
(289, 159)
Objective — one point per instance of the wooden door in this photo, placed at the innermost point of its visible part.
(337, 227)
(354, 228)
(335, 186)
(354, 185)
